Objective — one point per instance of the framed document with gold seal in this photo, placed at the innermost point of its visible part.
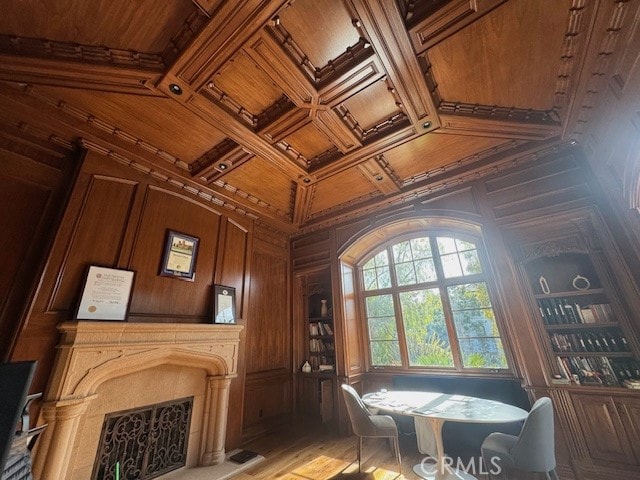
(106, 294)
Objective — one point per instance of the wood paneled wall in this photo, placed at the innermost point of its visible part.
(268, 396)
(118, 217)
(34, 181)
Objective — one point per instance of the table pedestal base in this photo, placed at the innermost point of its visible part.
(428, 471)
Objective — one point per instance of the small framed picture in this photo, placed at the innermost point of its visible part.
(179, 259)
(224, 304)
(106, 294)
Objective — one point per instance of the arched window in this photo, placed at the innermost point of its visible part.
(427, 305)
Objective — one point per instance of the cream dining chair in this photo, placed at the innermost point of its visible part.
(367, 425)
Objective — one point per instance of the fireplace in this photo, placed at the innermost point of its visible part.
(153, 440)
(107, 367)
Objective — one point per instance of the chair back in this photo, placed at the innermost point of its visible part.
(358, 412)
(534, 450)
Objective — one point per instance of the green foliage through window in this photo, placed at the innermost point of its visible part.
(430, 282)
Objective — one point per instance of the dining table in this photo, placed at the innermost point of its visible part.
(430, 411)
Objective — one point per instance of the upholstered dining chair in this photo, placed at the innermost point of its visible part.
(533, 450)
(367, 425)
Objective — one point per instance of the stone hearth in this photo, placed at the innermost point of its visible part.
(103, 367)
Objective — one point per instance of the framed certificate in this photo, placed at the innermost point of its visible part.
(106, 294)
(179, 259)
(224, 304)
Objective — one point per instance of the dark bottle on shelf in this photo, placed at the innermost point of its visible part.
(604, 343)
(612, 342)
(588, 342)
(596, 342)
(623, 343)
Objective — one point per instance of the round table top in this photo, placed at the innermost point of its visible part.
(447, 407)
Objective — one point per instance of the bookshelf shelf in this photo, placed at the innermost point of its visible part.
(580, 293)
(595, 354)
(580, 326)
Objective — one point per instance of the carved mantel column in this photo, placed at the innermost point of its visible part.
(64, 419)
(217, 409)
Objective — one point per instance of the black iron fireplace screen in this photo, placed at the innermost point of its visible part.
(144, 442)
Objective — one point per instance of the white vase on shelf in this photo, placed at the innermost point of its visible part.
(306, 368)
(324, 310)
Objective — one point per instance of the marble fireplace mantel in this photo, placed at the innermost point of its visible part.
(91, 353)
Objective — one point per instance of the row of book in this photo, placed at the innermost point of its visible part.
(320, 328)
(321, 363)
(599, 370)
(606, 340)
(317, 345)
(560, 311)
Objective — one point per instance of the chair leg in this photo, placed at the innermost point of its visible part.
(396, 446)
(552, 475)
(359, 453)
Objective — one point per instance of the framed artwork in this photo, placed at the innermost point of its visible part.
(106, 294)
(224, 304)
(179, 259)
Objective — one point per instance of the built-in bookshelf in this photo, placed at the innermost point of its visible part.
(322, 350)
(587, 339)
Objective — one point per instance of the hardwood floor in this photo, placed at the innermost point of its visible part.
(310, 454)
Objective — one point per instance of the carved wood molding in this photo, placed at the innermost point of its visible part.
(431, 22)
(231, 27)
(236, 192)
(22, 134)
(505, 160)
(601, 49)
(34, 60)
(51, 49)
(203, 105)
(553, 248)
(384, 25)
(90, 120)
(381, 174)
(219, 193)
(302, 203)
(544, 117)
(189, 29)
(466, 161)
(484, 127)
(212, 156)
(225, 164)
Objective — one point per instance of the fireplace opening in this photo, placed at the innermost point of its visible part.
(146, 442)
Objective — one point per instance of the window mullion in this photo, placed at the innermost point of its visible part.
(402, 339)
(446, 306)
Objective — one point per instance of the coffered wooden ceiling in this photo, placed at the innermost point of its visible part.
(302, 113)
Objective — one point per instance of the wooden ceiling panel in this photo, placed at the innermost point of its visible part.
(510, 57)
(432, 151)
(309, 141)
(323, 30)
(372, 105)
(347, 187)
(265, 182)
(143, 26)
(247, 84)
(159, 121)
(304, 113)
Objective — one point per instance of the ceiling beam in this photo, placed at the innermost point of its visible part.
(45, 62)
(384, 25)
(436, 26)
